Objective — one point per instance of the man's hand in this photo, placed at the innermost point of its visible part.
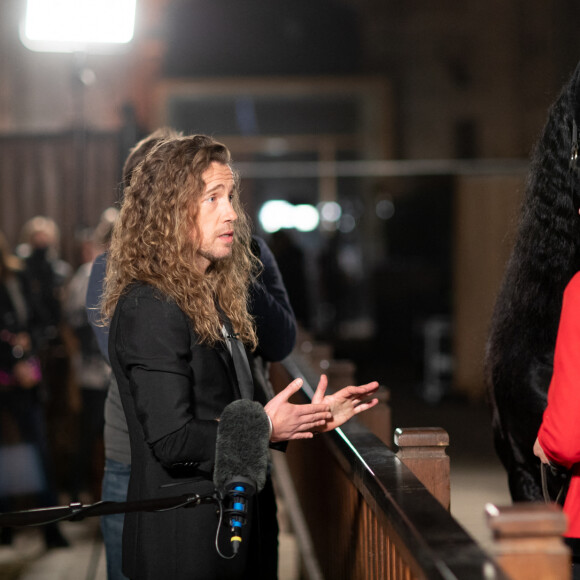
(290, 421)
(344, 404)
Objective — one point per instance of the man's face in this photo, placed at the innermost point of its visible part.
(216, 216)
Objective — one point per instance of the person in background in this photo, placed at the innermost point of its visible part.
(558, 441)
(21, 390)
(558, 437)
(91, 369)
(47, 276)
(545, 257)
(290, 257)
(176, 296)
(116, 435)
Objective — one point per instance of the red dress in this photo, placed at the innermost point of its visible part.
(559, 434)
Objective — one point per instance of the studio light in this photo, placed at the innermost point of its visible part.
(78, 25)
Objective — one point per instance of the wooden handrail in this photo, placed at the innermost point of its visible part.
(367, 514)
(363, 512)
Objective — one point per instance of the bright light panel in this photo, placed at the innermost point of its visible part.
(78, 25)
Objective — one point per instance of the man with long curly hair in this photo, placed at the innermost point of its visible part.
(276, 331)
(176, 291)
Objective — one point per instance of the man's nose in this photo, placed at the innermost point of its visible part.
(230, 213)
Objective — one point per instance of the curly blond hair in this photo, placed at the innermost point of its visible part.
(152, 241)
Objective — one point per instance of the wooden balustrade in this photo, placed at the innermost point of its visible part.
(361, 511)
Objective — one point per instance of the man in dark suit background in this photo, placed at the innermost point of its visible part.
(176, 294)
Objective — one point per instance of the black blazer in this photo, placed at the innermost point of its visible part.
(172, 390)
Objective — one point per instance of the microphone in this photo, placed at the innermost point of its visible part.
(241, 460)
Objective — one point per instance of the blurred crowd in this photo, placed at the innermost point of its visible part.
(53, 378)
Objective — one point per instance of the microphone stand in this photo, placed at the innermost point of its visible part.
(77, 511)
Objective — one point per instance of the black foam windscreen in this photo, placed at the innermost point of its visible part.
(242, 444)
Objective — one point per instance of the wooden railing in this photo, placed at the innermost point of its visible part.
(361, 511)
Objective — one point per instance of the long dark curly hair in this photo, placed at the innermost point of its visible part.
(524, 324)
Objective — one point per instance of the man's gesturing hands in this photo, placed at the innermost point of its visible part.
(326, 412)
(290, 421)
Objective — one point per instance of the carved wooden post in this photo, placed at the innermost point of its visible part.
(528, 542)
(422, 450)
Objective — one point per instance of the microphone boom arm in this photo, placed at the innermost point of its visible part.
(77, 511)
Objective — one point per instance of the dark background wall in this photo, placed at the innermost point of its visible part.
(461, 80)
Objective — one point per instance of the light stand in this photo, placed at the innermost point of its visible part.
(80, 27)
